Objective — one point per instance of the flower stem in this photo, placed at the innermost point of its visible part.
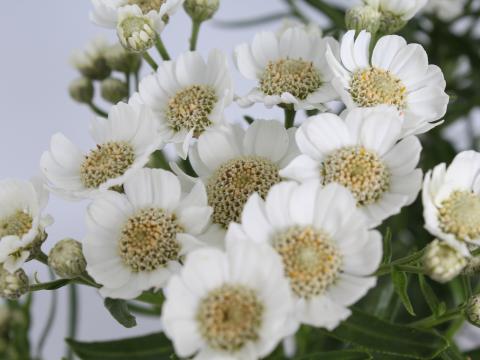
(72, 325)
(150, 61)
(97, 110)
(194, 36)
(433, 320)
(162, 50)
(289, 117)
(50, 320)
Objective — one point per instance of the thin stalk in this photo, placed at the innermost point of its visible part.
(150, 61)
(97, 110)
(194, 36)
(433, 320)
(127, 80)
(50, 319)
(42, 257)
(162, 50)
(136, 77)
(289, 117)
(73, 318)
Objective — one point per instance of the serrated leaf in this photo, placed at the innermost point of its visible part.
(149, 347)
(376, 335)
(119, 310)
(337, 355)
(400, 284)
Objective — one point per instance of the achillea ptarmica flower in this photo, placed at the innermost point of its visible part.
(232, 305)
(397, 74)
(234, 163)
(327, 249)
(395, 13)
(451, 201)
(124, 143)
(201, 10)
(106, 13)
(90, 62)
(13, 285)
(135, 241)
(446, 10)
(442, 262)
(114, 90)
(136, 32)
(81, 90)
(473, 310)
(363, 17)
(22, 223)
(290, 68)
(362, 154)
(188, 96)
(66, 259)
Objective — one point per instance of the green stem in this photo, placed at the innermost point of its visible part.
(409, 259)
(194, 36)
(97, 110)
(73, 319)
(42, 257)
(295, 11)
(127, 80)
(289, 117)
(136, 77)
(50, 319)
(150, 61)
(162, 50)
(433, 320)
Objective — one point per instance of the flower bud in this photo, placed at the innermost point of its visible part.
(473, 310)
(114, 90)
(66, 259)
(91, 62)
(363, 18)
(442, 262)
(13, 285)
(390, 23)
(136, 33)
(119, 59)
(201, 10)
(473, 266)
(81, 90)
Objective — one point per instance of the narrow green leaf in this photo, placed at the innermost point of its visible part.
(151, 298)
(452, 354)
(400, 283)
(119, 310)
(52, 285)
(387, 247)
(249, 119)
(377, 335)
(438, 308)
(337, 355)
(149, 347)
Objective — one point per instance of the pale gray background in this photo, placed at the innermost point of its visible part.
(38, 37)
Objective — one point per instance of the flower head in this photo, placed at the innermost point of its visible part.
(66, 259)
(443, 262)
(473, 310)
(362, 154)
(124, 143)
(232, 305)
(395, 14)
(396, 74)
(135, 240)
(188, 96)
(136, 32)
(327, 249)
(13, 285)
(201, 10)
(90, 62)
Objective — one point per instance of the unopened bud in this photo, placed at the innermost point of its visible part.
(114, 90)
(201, 10)
(121, 60)
(363, 17)
(91, 62)
(136, 33)
(81, 90)
(66, 259)
(473, 266)
(473, 310)
(390, 23)
(13, 285)
(442, 262)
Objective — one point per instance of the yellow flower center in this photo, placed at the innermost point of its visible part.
(17, 224)
(460, 215)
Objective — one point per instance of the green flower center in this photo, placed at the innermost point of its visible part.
(460, 215)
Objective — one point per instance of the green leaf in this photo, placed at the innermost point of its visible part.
(151, 298)
(249, 119)
(452, 354)
(337, 355)
(377, 335)
(400, 283)
(149, 347)
(52, 285)
(119, 310)
(438, 308)
(387, 247)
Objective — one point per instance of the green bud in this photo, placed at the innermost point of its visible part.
(390, 23)
(81, 90)
(119, 59)
(13, 285)
(442, 262)
(66, 259)
(473, 310)
(136, 33)
(114, 90)
(90, 62)
(363, 17)
(201, 10)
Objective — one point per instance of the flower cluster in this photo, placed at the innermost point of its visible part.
(258, 228)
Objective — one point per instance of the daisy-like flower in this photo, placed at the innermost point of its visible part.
(22, 223)
(395, 13)
(135, 240)
(106, 13)
(226, 306)
(327, 249)
(188, 96)
(397, 74)
(234, 163)
(290, 68)
(124, 143)
(446, 10)
(362, 154)
(451, 201)
(91, 62)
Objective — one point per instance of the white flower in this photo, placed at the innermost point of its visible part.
(404, 9)
(397, 74)
(234, 163)
(451, 201)
(124, 143)
(135, 240)
(106, 12)
(362, 154)
(91, 60)
(446, 10)
(290, 68)
(21, 220)
(327, 249)
(188, 96)
(247, 283)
